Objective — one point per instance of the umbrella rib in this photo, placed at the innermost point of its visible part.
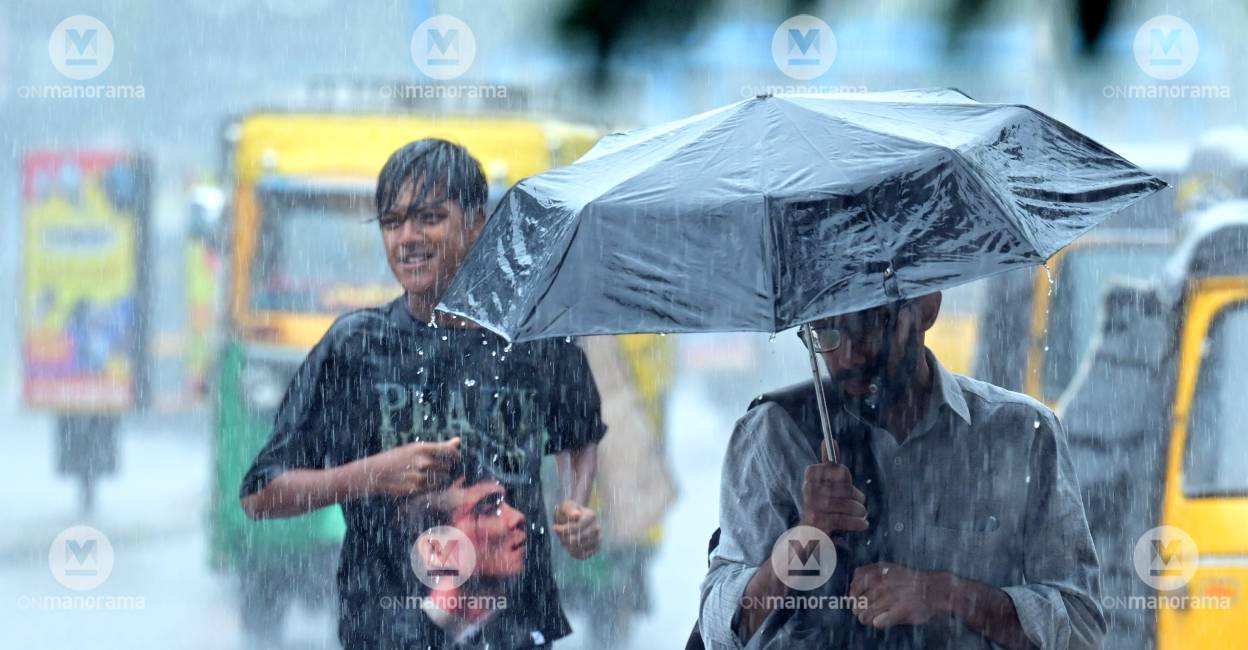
(874, 223)
(1010, 218)
(569, 240)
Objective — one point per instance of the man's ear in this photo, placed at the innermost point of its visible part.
(478, 223)
(929, 309)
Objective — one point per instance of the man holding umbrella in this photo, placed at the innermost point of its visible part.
(958, 526)
(955, 509)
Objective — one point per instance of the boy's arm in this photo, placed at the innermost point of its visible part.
(409, 470)
(575, 524)
(577, 468)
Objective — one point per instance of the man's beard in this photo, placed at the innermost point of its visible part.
(888, 385)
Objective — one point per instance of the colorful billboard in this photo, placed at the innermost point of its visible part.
(83, 225)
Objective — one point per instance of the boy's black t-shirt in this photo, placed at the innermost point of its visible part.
(379, 379)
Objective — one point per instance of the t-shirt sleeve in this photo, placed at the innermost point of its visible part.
(576, 410)
(301, 433)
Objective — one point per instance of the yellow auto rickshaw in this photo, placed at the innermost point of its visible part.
(1035, 333)
(1154, 423)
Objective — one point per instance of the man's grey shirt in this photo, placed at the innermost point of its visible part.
(983, 487)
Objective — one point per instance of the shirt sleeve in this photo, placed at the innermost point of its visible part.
(301, 427)
(576, 407)
(760, 498)
(1058, 606)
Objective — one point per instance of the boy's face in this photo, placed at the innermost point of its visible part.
(425, 244)
(495, 527)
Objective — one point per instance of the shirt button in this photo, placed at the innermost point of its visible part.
(897, 461)
(898, 527)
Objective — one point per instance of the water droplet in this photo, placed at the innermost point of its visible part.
(1036, 424)
(443, 337)
(567, 339)
(508, 348)
(1027, 479)
(420, 371)
(470, 382)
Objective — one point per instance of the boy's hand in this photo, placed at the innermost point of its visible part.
(578, 529)
(412, 469)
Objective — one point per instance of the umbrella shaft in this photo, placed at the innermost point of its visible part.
(824, 420)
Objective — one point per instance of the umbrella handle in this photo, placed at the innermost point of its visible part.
(834, 451)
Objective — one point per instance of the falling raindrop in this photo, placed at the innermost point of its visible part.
(470, 382)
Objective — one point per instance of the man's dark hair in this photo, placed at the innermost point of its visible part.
(446, 171)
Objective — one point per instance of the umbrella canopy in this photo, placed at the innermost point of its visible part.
(780, 210)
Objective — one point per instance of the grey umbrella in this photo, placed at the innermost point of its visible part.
(781, 210)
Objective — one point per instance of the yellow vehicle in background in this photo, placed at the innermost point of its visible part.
(301, 250)
(1155, 427)
(1038, 324)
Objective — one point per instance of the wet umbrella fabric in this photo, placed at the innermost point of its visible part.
(780, 210)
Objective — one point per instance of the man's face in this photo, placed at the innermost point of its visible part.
(425, 244)
(859, 359)
(496, 529)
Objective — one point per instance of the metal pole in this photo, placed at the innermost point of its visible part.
(834, 453)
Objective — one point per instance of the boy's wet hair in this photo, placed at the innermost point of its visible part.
(445, 170)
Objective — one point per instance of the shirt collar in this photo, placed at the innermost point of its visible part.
(947, 390)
